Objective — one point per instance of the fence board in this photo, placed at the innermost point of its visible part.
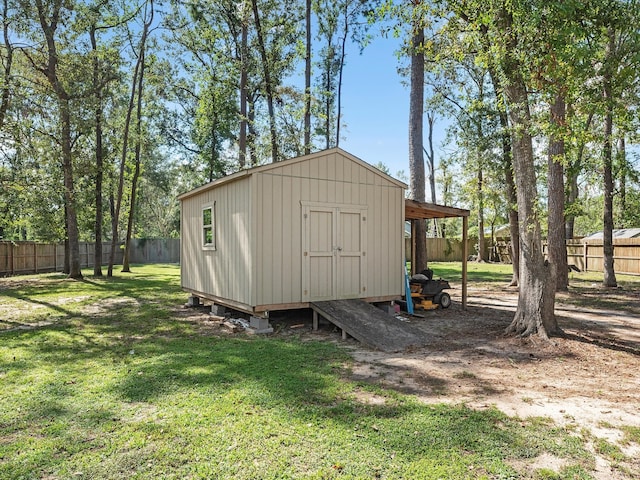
(31, 257)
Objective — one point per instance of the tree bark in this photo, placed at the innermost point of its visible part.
(244, 59)
(125, 149)
(136, 174)
(266, 69)
(572, 181)
(8, 46)
(69, 190)
(507, 166)
(343, 48)
(307, 80)
(252, 134)
(416, 159)
(556, 240)
(535, 311)
(514, 224)
(480, 193)
(97, 88)
(621, 155)
(49, 26)
(609, 279)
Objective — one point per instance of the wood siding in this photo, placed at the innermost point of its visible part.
(225, 271)
(335, 180)
(258, 260)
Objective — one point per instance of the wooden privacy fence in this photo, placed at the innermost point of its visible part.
(588, 255)
(32, 257)
(445, 249)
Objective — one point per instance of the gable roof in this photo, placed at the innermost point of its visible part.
(272, 166)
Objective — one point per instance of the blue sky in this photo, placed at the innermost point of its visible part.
(376, 107)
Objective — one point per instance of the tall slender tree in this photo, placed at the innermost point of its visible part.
(556, 236)
(307, 78)
(116, 210)
(49, 17)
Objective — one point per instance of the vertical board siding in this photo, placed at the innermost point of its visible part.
(259, 222)
(226, 271)
(331, 179)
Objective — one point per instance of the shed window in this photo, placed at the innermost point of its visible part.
(209, 226)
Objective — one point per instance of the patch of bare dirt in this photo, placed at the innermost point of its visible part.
(589, 379)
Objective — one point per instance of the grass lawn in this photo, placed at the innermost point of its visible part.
(104, 379)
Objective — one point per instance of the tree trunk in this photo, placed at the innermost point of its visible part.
(343, 48)
(431, 159)
(69, 191)
(307, 80)
(125, 148)
(244, 56)
(507, 166)
(252, 134)
(416, 159)
(621, 154)
(136, 174)
(557, 242)
(49, 26)
(327, 100)
(572, 188)
(535, 311)
(97, 257)
(512, 198)
(431, 164)
(8, 46)
(480, 193)
(267, 83)
(607, 154)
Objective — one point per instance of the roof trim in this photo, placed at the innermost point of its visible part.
(270, 166)
(414, 210)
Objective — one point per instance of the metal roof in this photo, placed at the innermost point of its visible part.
(619, 233)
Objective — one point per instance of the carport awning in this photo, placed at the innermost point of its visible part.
(414, 210)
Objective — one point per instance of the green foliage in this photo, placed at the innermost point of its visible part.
(191, 105)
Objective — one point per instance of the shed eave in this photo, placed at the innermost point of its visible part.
(414, 210)
(215, 183)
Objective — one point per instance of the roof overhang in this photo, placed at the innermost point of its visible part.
(414, 210)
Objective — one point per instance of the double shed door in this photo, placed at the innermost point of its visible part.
(334, 252)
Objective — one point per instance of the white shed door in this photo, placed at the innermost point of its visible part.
(333, 252)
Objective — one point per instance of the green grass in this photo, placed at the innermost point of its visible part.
(102, 379)
(476, 272)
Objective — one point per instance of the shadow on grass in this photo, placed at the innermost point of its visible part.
(166, 366)
(137, 354)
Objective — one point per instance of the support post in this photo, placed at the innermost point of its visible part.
(315, 320)
(465, 254)
(413, 248)
(259, 325)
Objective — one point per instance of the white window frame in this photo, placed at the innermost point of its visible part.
(209, 226)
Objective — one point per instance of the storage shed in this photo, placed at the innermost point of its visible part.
(323, 226)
